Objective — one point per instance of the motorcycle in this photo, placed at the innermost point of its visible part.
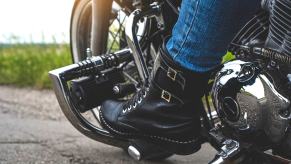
(249, 119)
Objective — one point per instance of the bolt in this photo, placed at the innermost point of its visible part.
(116, 90)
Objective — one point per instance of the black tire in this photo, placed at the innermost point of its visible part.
(81, 25)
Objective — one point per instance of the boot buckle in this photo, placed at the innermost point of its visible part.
(171, 73)
(166, 96)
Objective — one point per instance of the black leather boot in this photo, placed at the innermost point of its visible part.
(166, 111)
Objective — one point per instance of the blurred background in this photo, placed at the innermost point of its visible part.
(34, 38)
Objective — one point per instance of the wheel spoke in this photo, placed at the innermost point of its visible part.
(116, 36)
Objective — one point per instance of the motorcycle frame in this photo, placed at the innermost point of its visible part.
(71, 111)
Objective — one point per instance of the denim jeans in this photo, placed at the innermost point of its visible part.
(204, 30)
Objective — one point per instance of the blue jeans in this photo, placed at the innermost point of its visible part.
(204, 30)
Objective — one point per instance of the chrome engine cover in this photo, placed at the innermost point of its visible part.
(248, 100)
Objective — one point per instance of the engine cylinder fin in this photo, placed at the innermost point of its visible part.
(256, 28)
(258, 21)
(279, 37)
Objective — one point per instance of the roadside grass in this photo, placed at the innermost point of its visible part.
(29, 64)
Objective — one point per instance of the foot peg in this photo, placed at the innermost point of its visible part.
(229, 150)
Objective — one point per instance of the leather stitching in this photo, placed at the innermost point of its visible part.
(145, 135)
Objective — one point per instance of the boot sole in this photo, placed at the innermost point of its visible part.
(171, 145)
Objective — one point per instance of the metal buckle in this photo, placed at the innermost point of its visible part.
(166, 96)
(172, 73)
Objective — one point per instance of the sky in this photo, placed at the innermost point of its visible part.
(35, 21)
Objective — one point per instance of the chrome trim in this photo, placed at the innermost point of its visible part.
(95, 112)
(134, 45)
(213, 114)
(131, 30)
(71, 112)
(219, 160)
(257, 101)
(60, 80)
(229, 149)
(134, 153)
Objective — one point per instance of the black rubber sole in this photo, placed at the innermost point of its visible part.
(172, 146)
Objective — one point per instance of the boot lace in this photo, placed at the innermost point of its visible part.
(135, 100)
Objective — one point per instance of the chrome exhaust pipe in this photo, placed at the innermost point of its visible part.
(60, 78)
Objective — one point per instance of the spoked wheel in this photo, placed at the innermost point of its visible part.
(103, 34)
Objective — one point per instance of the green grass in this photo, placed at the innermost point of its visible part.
(229, 56)
(29, 64)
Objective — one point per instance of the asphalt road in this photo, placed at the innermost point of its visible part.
(33, 130)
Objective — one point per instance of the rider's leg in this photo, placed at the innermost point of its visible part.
(167, 110)
(204, 30)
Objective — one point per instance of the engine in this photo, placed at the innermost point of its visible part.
(279, 37)
(251, 94)
(250, 100)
